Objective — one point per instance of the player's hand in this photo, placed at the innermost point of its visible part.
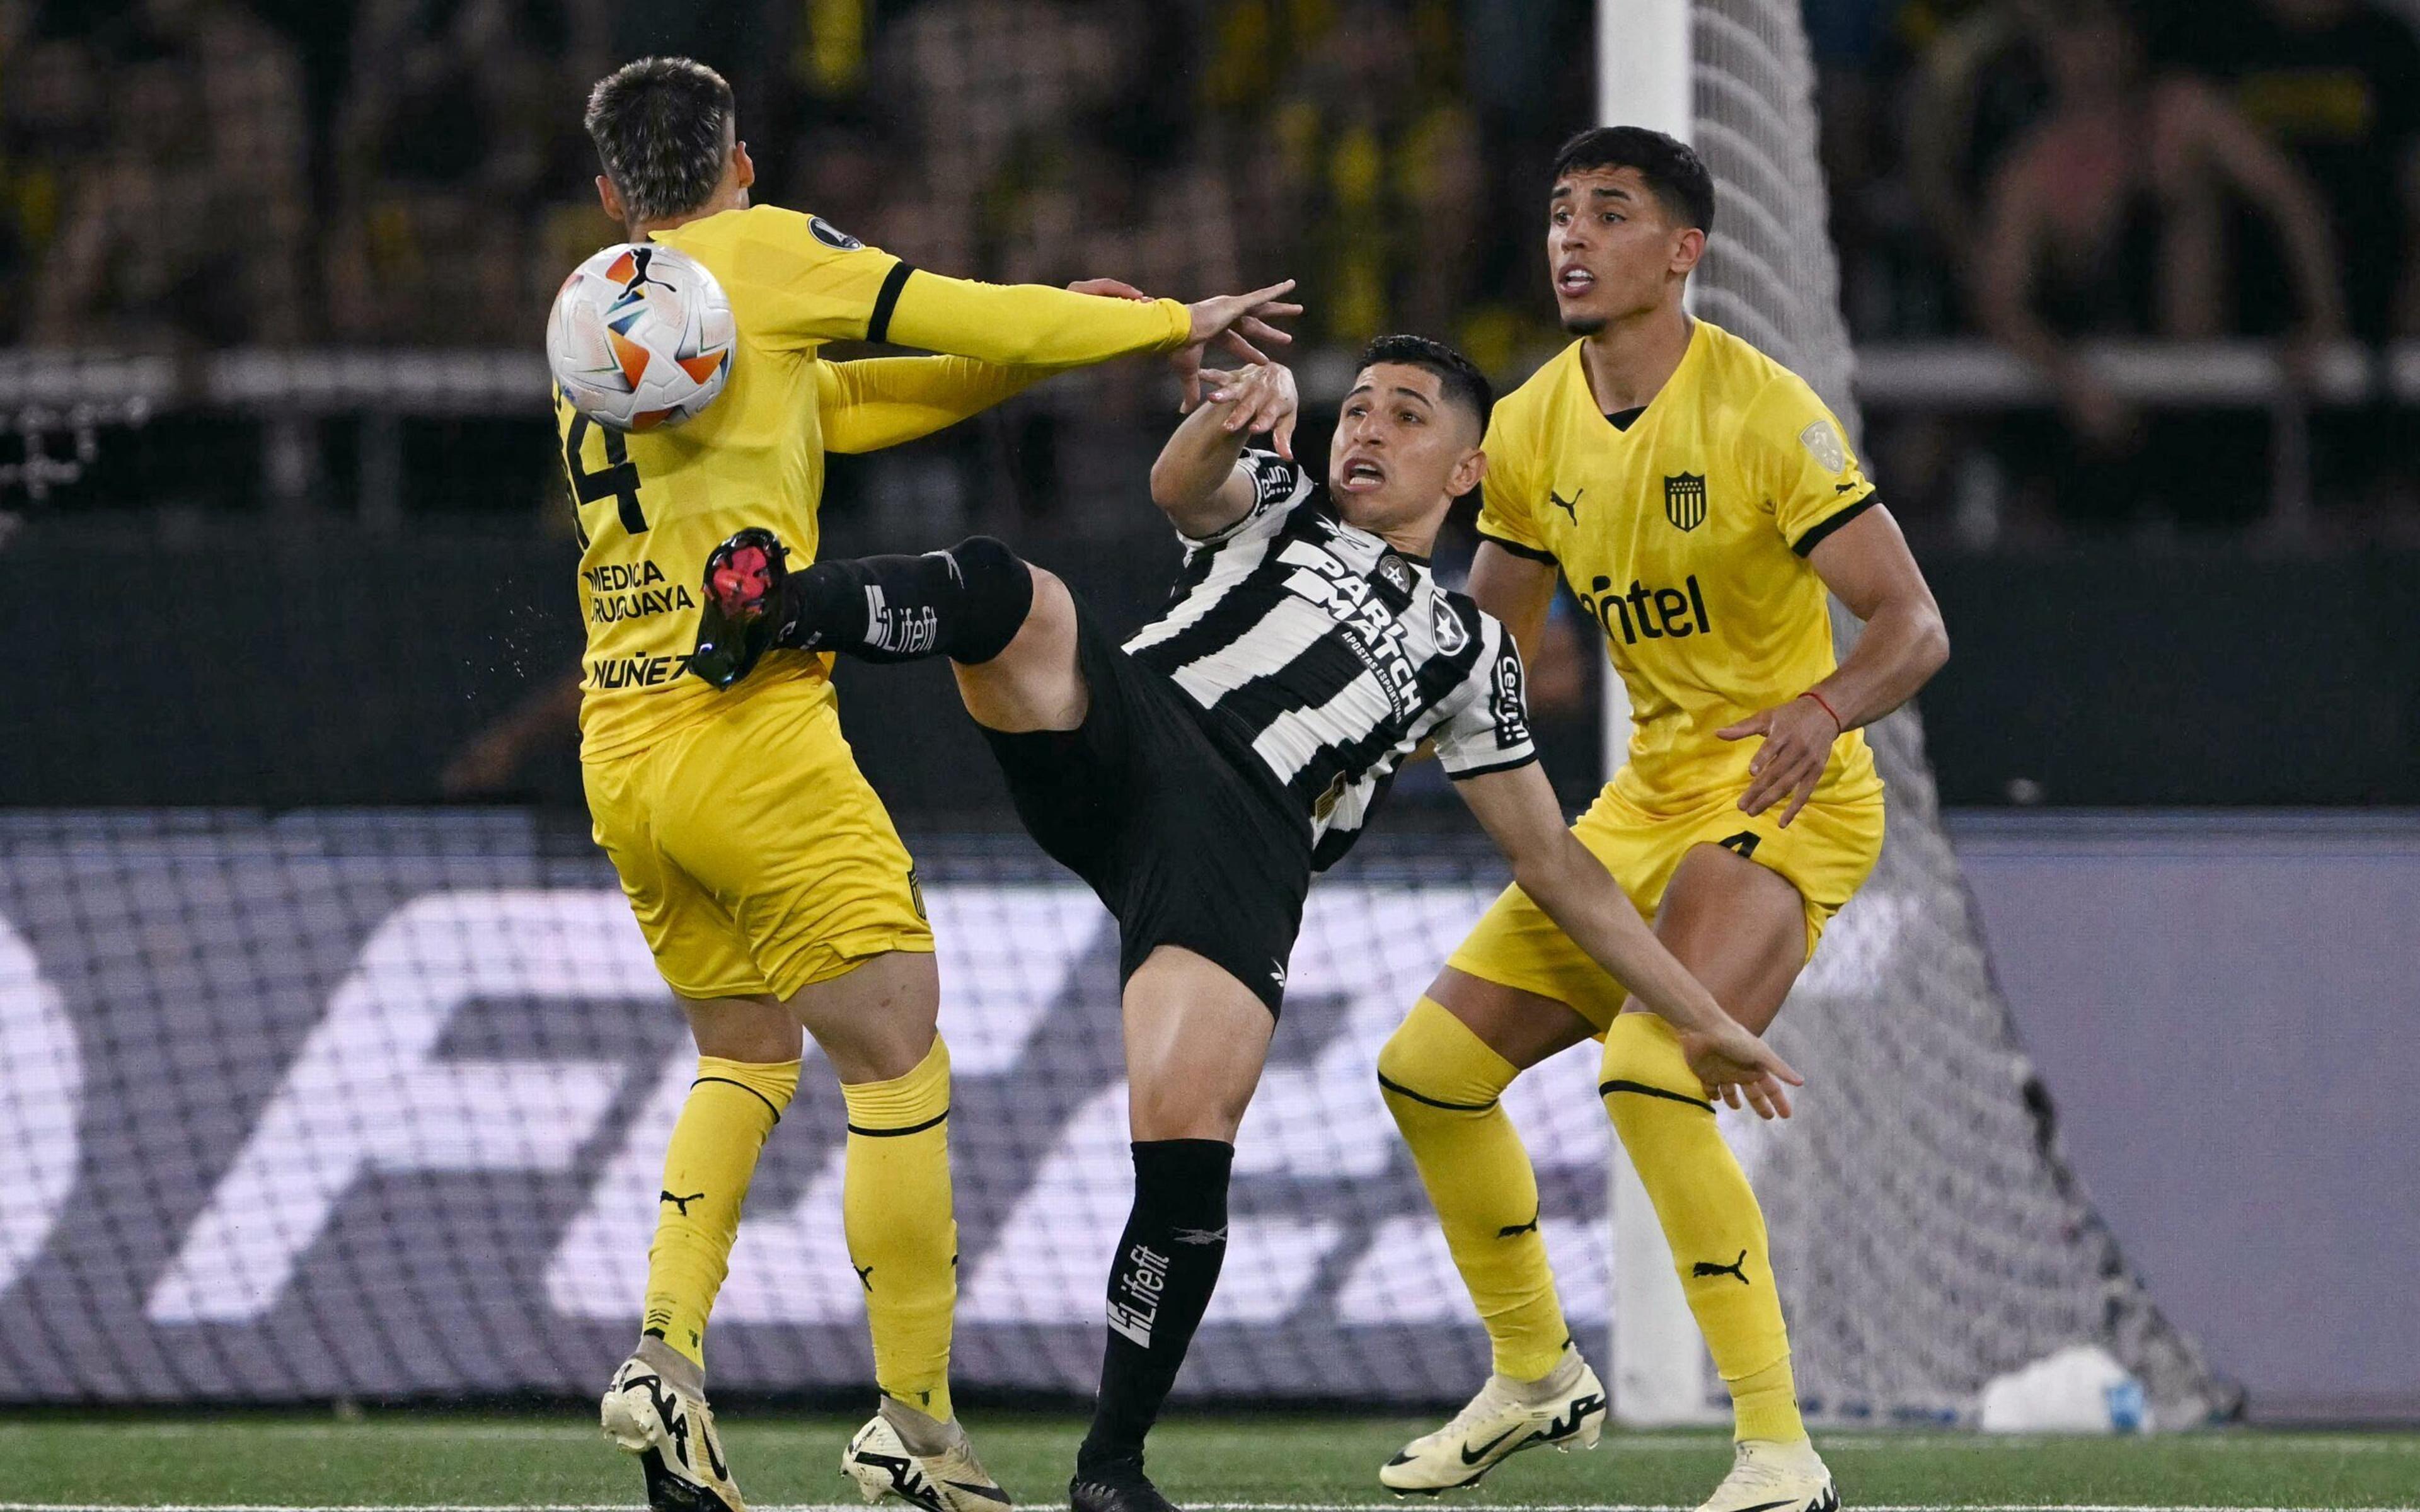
(1233, 322)
(1264, 399)
(1738, 1066)
(1798, 738)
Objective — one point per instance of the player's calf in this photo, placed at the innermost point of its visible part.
(965, 603)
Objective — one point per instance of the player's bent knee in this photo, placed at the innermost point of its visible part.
(1643, 1058)
(999, 593)
(1432, 1061)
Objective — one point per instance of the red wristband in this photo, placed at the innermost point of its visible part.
(1825, 705)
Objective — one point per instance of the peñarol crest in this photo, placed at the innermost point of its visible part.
(1685, 499)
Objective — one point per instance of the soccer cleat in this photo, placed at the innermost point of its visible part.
(740, 609)
(1116, 1486)
(1767, 1477)
(1492, 1427)
(951, 1481)
(673, 1434)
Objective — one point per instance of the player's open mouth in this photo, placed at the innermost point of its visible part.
(1361, 475)
(1575, 280)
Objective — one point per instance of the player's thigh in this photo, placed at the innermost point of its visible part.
(1739, 927)
(754, 1030)
(874, 1022)
(696, 943)
(1525, 1027)
(1034, 683)
(1196, 1040)
(1519, 982)
(768, 812)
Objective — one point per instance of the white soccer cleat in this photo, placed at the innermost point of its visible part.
(671, 1432)
(951, 1481)
(1767, 1477)
(1492, 1427)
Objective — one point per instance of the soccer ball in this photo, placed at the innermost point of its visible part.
(639, 336)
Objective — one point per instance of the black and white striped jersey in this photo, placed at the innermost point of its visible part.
(1335, 655)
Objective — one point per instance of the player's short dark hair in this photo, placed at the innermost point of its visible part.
(1458, 376)
(1674, 173)
(659, 125)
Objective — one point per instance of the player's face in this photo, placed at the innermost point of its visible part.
(1612, 250)
(1402, 451)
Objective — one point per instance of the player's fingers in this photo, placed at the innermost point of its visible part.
(1769, 1060)
(1760, 1100)
(1259, 329)
(1730, 1094)
(1236, 345)
(1286, 436)
(1755, 724)
(1798, 800)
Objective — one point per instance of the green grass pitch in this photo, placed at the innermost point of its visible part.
(394, 1460)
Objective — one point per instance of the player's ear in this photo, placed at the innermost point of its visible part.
(610, 198)
(1467, 472)
(743, 167)
(1687, 248)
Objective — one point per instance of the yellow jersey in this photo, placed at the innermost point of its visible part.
(1685, 535)
(652, 505)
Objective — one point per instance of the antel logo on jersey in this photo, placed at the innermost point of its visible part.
(1648, 613)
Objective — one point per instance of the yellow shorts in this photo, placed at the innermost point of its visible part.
(753, 851)
(1826, 853)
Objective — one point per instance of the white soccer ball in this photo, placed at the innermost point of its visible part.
(639, 336)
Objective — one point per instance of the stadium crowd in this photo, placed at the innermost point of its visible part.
(182, 174)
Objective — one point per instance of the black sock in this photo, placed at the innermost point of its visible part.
(967, 604)
(1159, 1287)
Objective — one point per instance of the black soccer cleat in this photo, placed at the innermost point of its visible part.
(740, 610)
(1116, 1486)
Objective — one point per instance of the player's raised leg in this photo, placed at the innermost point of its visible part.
(1741, 928)
(1442, 1074)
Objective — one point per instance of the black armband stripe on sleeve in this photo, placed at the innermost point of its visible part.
(1512, 766)
(1823, 528)
(877, 325)
(1517, 549)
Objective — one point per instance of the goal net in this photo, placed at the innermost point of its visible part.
(1927, 1230)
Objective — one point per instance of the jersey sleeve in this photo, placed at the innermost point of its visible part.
(884, 401)
(1279, 487)
(1021, 325)
(1506, 510)
(1489, 729)
(799, 282)
(1795, 455)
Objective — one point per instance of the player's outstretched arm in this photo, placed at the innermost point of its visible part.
(1517, 809)
(1195, 482)
(1517, 589)
(1868, 566)
(1028, 325)
(888, 401)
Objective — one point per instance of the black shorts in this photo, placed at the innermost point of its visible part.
(1186, 836)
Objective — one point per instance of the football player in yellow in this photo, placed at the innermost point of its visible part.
(765, 875)
(1700, 500)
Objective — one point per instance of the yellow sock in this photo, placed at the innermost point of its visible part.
(732, 1106)
(895, 1210)
(1710, 1217)
(1441, 1082)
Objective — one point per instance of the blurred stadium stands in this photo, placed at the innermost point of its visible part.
(2134, 285)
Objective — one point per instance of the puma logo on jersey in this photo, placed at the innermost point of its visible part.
(1569, 506)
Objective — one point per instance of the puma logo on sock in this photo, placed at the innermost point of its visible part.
(1737, 1270)
(1516, 1230)
(682, 1203)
